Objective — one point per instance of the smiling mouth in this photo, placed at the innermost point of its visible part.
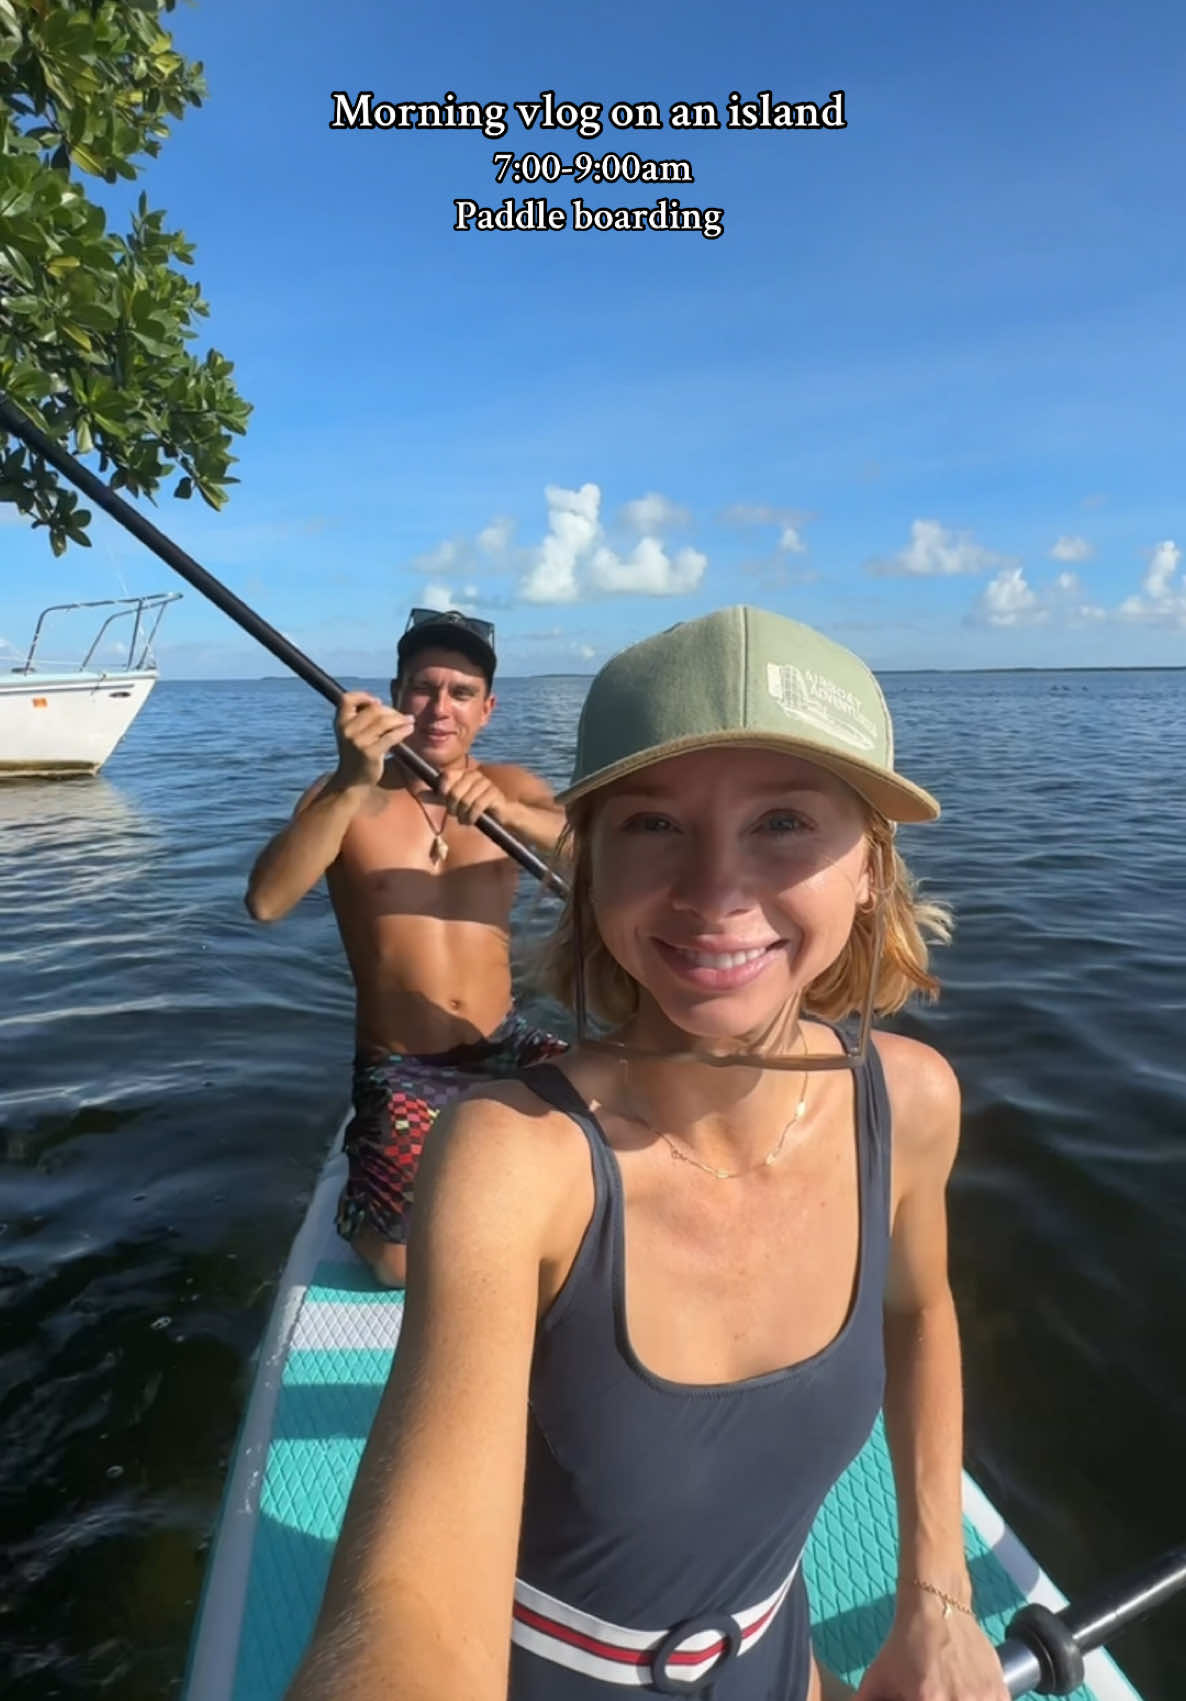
(719, 970)
(721, 959)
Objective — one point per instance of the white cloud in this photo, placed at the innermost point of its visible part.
(936, 552)
(440, 559)
(1071, 549)
(495, 538)
(1008, 601)
(438, 595)
(790, 522)
(573, 531)
(651, 513)
(1163, 564)
(585, 651)
(1163, 595)
(648, 570)
(574, 557)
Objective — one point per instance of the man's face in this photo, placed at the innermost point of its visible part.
(447, 696)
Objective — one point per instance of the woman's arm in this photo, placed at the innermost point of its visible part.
(418, 1602)
(935, 1648)
(924, 1393)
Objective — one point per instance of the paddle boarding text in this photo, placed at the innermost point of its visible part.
(585, 119)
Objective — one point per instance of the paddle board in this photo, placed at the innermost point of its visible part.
(321, 1370)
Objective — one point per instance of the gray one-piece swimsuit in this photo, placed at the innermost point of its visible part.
(664, 1523)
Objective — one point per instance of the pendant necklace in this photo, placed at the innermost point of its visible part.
(438, 851)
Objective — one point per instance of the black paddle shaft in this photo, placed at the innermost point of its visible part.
(12, 419)
(1043, 1650)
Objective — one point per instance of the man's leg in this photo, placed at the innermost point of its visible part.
(387, 1258)
(396, 1103)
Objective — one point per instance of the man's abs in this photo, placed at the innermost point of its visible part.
(427, 983)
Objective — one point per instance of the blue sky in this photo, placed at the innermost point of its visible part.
(925, 391)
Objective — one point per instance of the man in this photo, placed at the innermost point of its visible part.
(423, 902)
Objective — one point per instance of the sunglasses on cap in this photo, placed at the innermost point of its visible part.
(481, 629)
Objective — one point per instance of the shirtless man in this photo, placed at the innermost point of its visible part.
(423, 902)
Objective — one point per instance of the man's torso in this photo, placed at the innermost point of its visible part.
(427, 941)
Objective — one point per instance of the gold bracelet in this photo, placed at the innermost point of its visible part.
(949, 1601)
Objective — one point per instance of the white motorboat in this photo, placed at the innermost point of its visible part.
(58, 719)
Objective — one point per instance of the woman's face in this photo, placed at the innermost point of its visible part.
(725, 881)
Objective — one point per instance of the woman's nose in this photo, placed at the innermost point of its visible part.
(711, 876)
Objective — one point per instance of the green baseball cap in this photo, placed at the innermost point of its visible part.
(743, 676)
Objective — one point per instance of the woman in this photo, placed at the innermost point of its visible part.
(659, 1291)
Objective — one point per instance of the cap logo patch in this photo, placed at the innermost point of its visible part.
(804, 695)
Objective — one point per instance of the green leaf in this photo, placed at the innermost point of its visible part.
(97, 324)
(86, 159)
(79, 336)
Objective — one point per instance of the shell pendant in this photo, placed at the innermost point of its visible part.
(440, 850)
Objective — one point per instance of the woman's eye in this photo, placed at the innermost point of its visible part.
(647, 824)
(784, 821)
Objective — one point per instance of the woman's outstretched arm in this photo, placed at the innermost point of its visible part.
(418, 1602)
(935, 1648)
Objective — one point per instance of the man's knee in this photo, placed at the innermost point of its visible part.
(388, 1261)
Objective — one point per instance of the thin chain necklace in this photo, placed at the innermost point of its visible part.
(733, 1174)
(438, 851)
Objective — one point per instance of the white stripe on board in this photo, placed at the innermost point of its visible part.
(342, 1325)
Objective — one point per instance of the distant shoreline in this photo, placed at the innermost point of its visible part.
(516, 678)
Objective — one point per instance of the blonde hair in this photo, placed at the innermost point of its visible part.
(576, 947)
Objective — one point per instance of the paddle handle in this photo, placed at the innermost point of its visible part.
(1043, 1650)
(12, 419)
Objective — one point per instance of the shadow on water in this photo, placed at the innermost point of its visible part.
(170, 1077)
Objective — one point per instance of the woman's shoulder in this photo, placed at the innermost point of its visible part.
(507, 1174)
(924, 1097)
(510, 1135)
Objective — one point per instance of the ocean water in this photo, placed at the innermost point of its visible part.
(170, 1075)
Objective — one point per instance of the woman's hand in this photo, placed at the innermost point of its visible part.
(930, 1656)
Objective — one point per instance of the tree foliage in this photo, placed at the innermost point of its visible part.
(95, 326)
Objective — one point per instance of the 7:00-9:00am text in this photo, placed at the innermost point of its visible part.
(593, 168)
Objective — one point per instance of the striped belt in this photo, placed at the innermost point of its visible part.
(680, 1661)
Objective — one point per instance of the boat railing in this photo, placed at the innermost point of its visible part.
(144, 612)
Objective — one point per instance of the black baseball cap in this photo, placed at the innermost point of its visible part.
(450, 630)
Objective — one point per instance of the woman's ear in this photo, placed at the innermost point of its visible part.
(867, 881)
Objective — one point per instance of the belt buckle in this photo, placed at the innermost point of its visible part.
(723, 1625)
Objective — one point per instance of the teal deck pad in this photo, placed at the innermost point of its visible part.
(322, 1372)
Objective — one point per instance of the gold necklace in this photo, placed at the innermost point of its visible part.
(733, 1174)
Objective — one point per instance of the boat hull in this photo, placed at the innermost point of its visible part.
(66, 724)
